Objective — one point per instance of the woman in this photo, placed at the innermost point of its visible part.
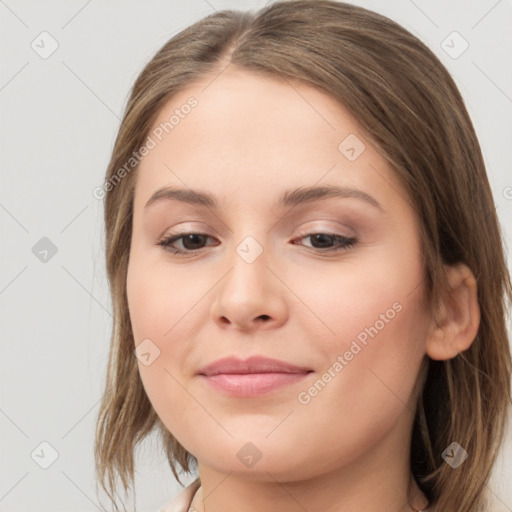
(307, 271)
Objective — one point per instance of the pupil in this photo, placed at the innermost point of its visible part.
(327, 239)
(192, 238)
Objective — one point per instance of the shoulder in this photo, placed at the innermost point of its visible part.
(181, 502)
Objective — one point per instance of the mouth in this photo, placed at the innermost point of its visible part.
(253, 377)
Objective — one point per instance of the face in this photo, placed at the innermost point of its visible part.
(329, 282)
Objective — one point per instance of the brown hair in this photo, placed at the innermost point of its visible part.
(412, 111)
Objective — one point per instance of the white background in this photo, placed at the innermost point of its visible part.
(60, 116)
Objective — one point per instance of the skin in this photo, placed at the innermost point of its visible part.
(249, 139)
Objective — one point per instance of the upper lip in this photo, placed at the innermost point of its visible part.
(255, 364)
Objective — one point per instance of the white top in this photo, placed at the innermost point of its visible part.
(182, 501)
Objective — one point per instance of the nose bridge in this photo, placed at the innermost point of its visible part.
(248, 274)
(250, 238)
(249, 292)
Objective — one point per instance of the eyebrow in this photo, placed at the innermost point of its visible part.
(289, 198)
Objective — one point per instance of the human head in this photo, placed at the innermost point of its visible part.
(409, 109)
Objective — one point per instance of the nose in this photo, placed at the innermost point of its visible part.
(250, 296)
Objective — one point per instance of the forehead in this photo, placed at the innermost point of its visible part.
(250, 136)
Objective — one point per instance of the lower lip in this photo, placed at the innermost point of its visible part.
(252, 384)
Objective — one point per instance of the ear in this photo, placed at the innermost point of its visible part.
(459, 315)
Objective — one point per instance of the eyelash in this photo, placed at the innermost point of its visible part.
(347, 243)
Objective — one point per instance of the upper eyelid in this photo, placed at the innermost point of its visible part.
(347, 224)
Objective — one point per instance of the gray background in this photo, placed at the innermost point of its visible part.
(60, 115)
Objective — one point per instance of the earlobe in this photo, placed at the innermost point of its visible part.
(458, 319)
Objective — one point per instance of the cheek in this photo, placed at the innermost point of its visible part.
(357, 398)
(165, 312)
(162, 300)
(374, 346)
(359, 296)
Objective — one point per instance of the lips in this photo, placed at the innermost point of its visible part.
(255, 364)
(253, 377)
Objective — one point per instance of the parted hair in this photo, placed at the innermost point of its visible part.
(410, 109)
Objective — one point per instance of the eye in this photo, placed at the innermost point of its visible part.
(323, 241)
(193, 242)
